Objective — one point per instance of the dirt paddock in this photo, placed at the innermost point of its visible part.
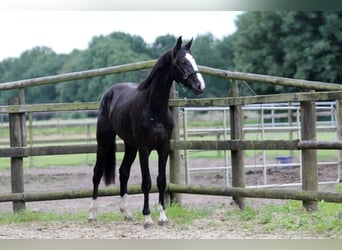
(67, 178)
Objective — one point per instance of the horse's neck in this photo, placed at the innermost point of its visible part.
(159, 92)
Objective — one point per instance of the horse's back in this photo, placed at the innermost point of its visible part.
(120, 89)
(115, 93)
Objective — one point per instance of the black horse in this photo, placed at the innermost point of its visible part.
(140, 116)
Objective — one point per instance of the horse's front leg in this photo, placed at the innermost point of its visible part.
(145, 185)
(161, 182)
(125, 168)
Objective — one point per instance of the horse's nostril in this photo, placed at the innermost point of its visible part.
(199, 89)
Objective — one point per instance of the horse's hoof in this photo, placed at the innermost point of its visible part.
(148, 225)
(129, 218)
(92, 220)
(163, 223)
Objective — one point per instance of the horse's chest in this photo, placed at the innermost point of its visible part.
(157, 131)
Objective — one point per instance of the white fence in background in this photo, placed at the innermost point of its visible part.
(262, 121)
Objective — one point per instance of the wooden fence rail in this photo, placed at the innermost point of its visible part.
(207, 102)
(18, 150)
(178, 145)
(68, 194)
(314, 85)
(76, 75)
(266, 193)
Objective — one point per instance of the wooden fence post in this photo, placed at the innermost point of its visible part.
(175, 166)
(309, 156)
(238, 164)
(30, 136)
(17, 139)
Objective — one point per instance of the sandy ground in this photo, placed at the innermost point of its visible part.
(73, 178)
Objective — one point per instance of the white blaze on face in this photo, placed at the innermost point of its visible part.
(191, 59)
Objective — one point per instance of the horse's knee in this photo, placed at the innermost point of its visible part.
(124, 174)
(161, 182)
(146, 184)
(146, 187)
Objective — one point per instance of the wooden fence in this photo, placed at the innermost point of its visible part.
(17, 110)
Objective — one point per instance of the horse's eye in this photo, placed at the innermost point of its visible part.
(183, 61)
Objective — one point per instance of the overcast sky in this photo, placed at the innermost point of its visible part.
(64, 31)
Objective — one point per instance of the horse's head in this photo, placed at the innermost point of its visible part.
(186, 70)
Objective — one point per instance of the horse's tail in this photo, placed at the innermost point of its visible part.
(106, 140)
(109, 166)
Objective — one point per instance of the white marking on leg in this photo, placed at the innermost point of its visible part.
(92, 211)
(124, 208)
(162, 216)
(148, 222)
(191, 59)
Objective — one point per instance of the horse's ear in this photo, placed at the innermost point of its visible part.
(178, 44)
(176, 48)
(188, 45)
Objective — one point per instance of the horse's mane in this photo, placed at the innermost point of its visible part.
(163, 61)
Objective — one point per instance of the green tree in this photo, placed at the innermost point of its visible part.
(303, 45)
(103, 51)
(114, 49)
(317, 39)
(162, 44)
(68, 91)
(6, 75)
(256, 46)
(36, 62)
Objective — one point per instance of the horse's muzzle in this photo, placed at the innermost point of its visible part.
(198, 91)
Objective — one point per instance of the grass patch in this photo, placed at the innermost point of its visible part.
(327, 221)
(277, 219)
(179, 215)
(28, 216)
(290, 218)
(293, 217)
(184, 216)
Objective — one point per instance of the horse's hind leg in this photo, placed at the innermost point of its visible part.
(125, 168)
(98, 172)
(105, 159)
